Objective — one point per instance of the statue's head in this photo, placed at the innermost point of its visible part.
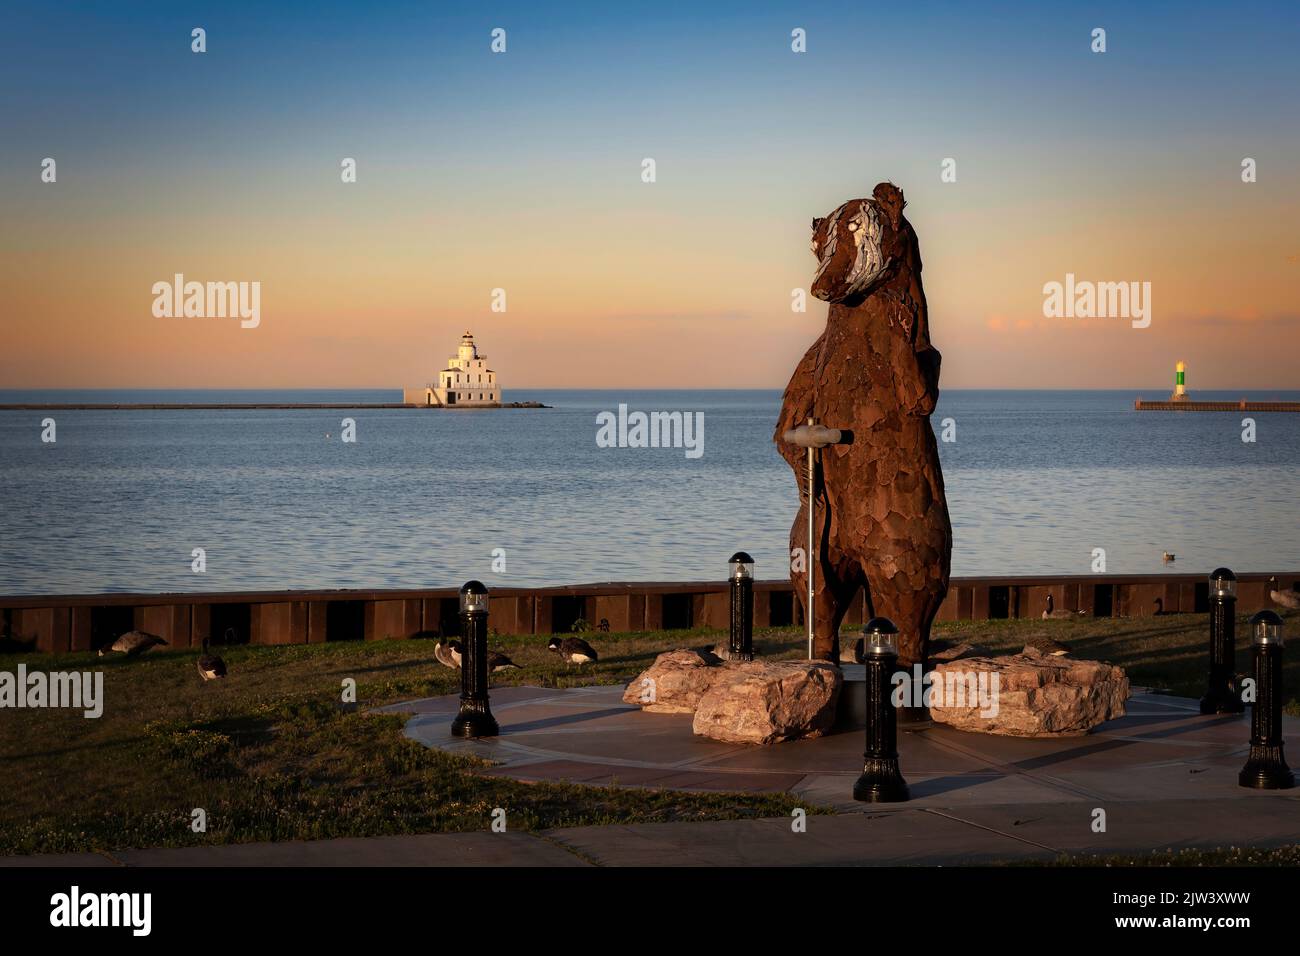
(859, 244)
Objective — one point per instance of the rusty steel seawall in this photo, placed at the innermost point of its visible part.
(86, 622)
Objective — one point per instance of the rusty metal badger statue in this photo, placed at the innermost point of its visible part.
(881, 520)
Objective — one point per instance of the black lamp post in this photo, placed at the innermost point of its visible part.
(1266, 767)
(881, 781)
(741, 647)
(1221, 695)
(475, 718)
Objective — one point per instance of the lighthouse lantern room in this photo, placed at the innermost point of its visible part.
(1180, 383)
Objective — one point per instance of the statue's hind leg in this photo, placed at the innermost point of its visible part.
(912, 612)
(912, 606)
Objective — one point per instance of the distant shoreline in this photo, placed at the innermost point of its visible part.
(242, 406)
(377, 394)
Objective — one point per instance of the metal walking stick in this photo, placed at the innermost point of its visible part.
(812, 437)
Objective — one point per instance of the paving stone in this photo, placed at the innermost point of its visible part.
(438, 849)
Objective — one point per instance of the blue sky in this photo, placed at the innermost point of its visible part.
(519, 170)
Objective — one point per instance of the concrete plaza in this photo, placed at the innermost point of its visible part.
(1165, 776)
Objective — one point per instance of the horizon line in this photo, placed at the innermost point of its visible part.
(643, 388)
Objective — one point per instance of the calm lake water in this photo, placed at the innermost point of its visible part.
(1035, 481)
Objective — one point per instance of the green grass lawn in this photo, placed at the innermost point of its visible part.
(270, 753)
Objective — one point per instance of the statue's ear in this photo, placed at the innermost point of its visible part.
(890, 198)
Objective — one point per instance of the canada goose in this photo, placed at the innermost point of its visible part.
(1062, 613)
(853, 653)
(447, 653)
(941, 650)
(211, 667)
(133, 643)
(1287, 599)
(497, 661)
(1037, 644)
(573, 649)
(442, 654)
(713, 654)
(1168, 558)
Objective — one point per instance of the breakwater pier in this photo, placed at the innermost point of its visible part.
(1142, 405)
(235, 406)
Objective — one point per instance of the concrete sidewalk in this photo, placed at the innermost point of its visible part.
(1035, 831)
(434, 849)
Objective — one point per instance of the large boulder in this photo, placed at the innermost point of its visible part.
(765, 702)
(1037, 695)
(674, 683)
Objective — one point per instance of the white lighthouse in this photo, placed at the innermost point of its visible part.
(465, 382)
